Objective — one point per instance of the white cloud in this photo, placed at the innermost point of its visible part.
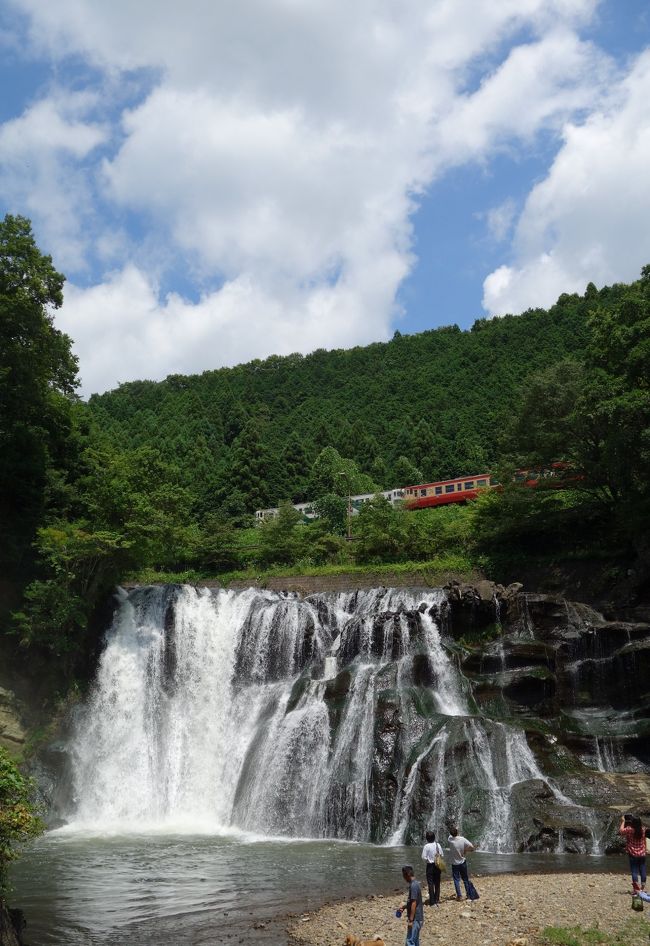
(40, 153)
(587, 221)
(539, 85)
(499, 219)
(123, 330)
(281, 148)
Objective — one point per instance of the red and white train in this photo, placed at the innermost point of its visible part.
(441, 493)
(458, 490)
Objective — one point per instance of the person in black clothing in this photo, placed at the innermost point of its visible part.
(430, 852)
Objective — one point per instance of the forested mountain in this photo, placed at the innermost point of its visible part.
(422, 406)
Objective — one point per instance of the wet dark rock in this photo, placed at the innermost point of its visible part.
(385, 636)
(12, 925)
(169, 647)
(422, 672)
(547, 617)
(471, 607)
(386, 762)
(298, 690)
(338, 687)
(522, 690)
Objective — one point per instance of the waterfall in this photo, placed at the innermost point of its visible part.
(337, 715)
(605, 754)
(449, 694)
(437, 746)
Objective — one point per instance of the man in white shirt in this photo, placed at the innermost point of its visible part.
(459, 847)
(430, 852)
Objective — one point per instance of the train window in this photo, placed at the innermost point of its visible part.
(438, 490)
(423, 492)
(450, 488)
(469, 484)
(481, 482)
(494, 481)
(459, 487)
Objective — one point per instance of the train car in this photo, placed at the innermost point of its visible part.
(394, 497)
(554, 476)
(458, 490)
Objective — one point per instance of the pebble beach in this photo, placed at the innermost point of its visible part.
(513, 909)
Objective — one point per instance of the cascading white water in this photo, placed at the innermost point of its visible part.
(605, 754)
(220, 710)
(153, 744)
(449, 695)
(437, 746)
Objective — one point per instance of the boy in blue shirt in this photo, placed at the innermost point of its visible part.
(413, 907)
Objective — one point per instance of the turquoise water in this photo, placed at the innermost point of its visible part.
(167, 890)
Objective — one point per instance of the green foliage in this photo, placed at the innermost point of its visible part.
(391, 414)
(406, 473)
(18, 819)
(542, 427)
(216, 548)
(332, 511)
(135, 515)
(595, 413)
(249, 467)
(381, 532)
(430, 574)
(387, 533)
(37, 380)
(280, 539)
(79, 564)
(331, 473)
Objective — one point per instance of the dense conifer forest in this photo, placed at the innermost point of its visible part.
(419, 407)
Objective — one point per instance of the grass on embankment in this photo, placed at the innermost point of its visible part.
(635, 932)
(431, 573)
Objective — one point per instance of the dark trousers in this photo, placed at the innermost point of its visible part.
(637, 868)
(459, 871)
(433, 880)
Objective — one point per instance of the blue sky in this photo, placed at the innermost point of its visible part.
(221, 182)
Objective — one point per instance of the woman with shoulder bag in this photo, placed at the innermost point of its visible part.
(432, 853)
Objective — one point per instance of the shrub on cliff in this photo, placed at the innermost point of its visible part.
(18, 819)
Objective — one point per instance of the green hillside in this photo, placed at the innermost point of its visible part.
(439, 400)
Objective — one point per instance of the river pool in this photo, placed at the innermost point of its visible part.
(82, 890)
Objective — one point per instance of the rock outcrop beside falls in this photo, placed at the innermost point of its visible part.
(12, 924)
(369, 715)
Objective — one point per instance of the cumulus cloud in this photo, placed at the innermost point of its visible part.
(40, 176)
(587, 221)
(124, 330)
(277, 156)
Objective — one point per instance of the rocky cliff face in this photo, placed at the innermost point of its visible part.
(577, 686)
(368, 714)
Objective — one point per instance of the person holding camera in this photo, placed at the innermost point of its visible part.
(634, 833)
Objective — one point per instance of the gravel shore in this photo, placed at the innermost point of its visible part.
(513, 909)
